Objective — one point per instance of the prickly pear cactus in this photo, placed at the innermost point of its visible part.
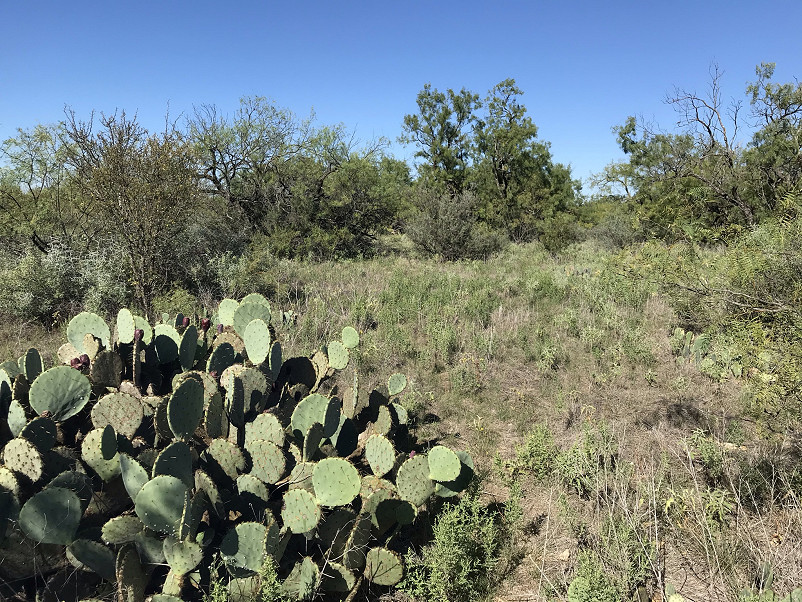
(194, 443)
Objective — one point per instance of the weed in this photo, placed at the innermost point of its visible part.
(458, 565)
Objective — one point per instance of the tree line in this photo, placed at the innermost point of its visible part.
(168, 202)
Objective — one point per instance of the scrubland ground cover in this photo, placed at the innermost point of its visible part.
(633, 414)
(625, 369)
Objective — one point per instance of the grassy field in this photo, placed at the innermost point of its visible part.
(613, 466)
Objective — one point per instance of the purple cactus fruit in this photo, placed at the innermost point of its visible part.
(75, 363)
(46, 414)
(205, 324)
(186, 322)
(138, 334)
(219, 329)
(84, 359)
(412, 454)
(214, 374)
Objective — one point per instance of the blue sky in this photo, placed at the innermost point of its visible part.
(584, 66)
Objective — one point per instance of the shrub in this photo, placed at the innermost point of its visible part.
(458, 565)
(591, 583)
(447, 226)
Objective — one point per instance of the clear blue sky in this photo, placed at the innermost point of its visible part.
(584, 66)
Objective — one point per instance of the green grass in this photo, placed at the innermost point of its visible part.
(562, 372)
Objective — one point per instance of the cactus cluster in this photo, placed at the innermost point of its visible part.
(696, 348)
(175, 448)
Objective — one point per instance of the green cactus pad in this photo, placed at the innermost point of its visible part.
(413, 482)
(401, 415)
(188, 347)
(62, 391)
(221, 358)
(350, 337)
(215, 421)
(452, 488)
(106, 370)
(41, 432)
(87, 323)
(256, 298)
(150, 546)
(21, 456)
(10, 483)
(106, 465)
(161, 424)
(300, 512)
(31, 364)
(244, 548)
(182, 556)
(312, 441)
(252, 492)
(338, 355)
(225, 311)
(160, 503)
(108, 442)
(315, 408)
(301, 476)
(353, 556)
(203, 482)
(78, 483)
(257, 341)
(383, 567)
(444, 464)
(390, 511)
(225, 456)
(122, 411)
(321, 365)
(163, 598)
(191, 522)
(11, 368)
(346, 438)
(84, 553)
(5, 388)
(232, 339)
(147, 332)
(126, 326)
(302, 581)
(275, 361)
(122, 529)
(17, 420)
(372, 484)
(133, 474)
(384, 421)
(175, 460)
(337, 578)
(265, 427)
(246, 313)
(51, 516)
(166, 341)
(268, 461)
(335, 530)
(396, 383)
(380, 454)
(131, 580)
(185, 409)
(336, 482)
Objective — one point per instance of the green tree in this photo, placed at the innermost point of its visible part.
(36, 201)
(442, 130)
(520, 188)
(775, 152)
(240, 158)
(140, 190)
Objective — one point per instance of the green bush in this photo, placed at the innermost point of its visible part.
(591, 582)
(446, 226)
(458, 565)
